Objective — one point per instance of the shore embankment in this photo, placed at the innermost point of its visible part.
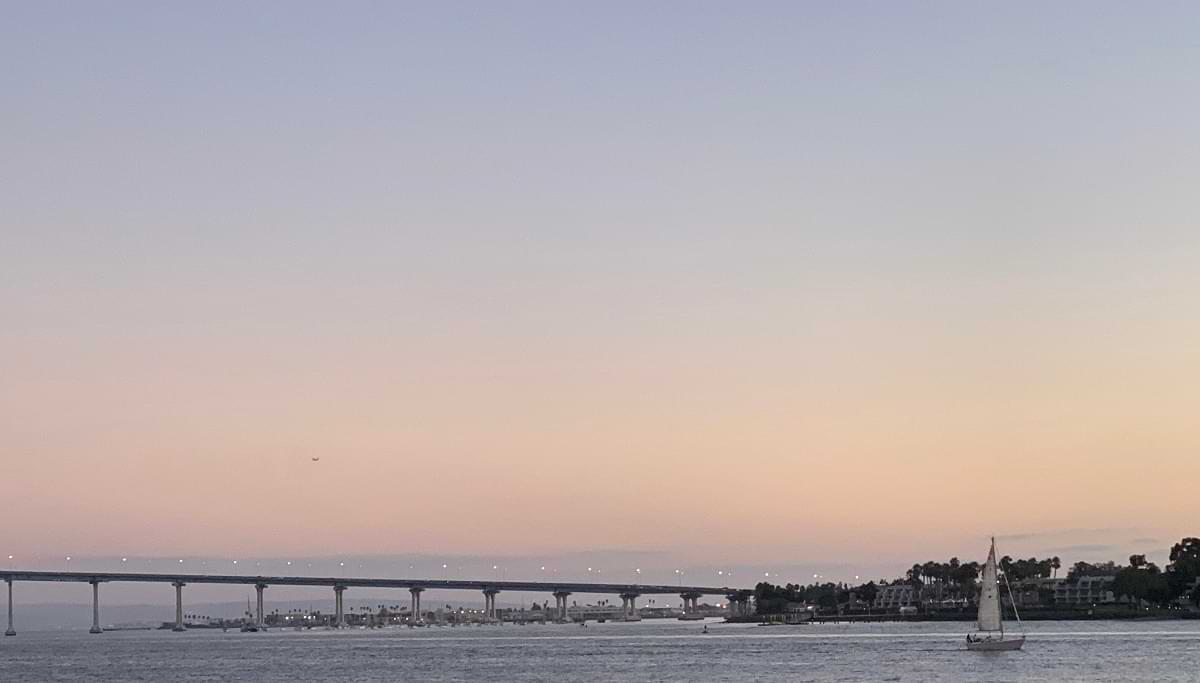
(1097, 614)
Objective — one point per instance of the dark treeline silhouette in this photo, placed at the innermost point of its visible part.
(772, 599)
(1140, 582)
(1144, 581)
(1033, 568)
(948, 579)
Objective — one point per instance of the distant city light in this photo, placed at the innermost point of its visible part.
(68, 558)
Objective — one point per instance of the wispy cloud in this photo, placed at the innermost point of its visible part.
(1057, 533)
(1084, 548)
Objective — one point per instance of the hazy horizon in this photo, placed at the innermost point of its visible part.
(777, 284)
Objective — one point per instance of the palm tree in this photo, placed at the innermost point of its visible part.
(914, 575)
(929, 571)
(1055, 564)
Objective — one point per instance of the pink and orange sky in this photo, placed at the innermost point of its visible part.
(792, 284)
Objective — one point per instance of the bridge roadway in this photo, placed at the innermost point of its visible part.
(629, 592)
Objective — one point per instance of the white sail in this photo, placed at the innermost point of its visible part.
(989, 595)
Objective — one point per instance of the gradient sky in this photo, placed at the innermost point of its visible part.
(745, 282)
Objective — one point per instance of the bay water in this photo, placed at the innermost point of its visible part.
(646, 651)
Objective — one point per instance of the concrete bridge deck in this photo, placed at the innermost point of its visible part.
(355, 582)
(560, 589)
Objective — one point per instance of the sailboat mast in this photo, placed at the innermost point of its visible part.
(1001, 606)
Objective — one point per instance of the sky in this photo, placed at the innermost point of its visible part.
(795, 284)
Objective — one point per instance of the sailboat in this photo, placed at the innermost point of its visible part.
(248, 624)
(991, 636)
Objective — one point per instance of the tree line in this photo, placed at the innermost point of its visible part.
(1140, 580)
(1143, 581)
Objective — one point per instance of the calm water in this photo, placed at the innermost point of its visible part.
(647, 651)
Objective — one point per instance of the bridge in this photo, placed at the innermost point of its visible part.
(629, 592)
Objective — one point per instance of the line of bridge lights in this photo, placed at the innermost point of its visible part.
(495, 567)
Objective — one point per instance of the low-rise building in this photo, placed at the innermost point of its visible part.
(894, 596)
(1085, 591)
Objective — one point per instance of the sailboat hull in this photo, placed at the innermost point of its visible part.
(996, 645)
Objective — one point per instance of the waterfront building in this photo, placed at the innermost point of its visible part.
(895, 596)
(1085, 591)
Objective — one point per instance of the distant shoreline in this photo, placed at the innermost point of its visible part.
(1031, 615)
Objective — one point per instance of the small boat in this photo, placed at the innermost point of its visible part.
(248, 624)
(991, 636)
(705, 629)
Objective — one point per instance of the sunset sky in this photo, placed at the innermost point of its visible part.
(755, 284)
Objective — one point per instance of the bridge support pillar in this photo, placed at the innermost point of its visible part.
(96, 608)
(11, 631)
(179, 606)
(689, 603)
(339, 614)
(259, 588)
(416, 604)
(560, 600)
(489, 603)
(629, 602)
